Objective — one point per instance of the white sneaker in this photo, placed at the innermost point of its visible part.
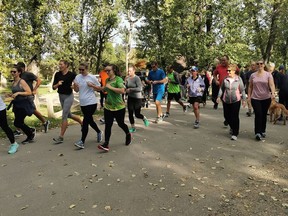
(233, 137)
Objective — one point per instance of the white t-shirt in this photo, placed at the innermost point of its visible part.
(2, 104)
(86, 94)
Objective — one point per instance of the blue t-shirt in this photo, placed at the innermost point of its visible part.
(157, 75)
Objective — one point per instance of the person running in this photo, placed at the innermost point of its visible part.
(63, 83)
(114, 106)
(196, 87)
(231, 91)
(30, 79)
(22, 106)
(134, 102)
(261, 90)
(173, 89)
(5, 127)
(157, 78)
(84, 83)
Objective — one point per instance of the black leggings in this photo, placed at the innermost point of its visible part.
(231, 112)
(20, 115)
(134, 106)
(260, 108)
(88, 112)
(109, 116)
(5, 127)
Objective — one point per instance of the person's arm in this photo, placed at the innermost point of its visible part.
(242, 89)
(38, 83)
(250, 88)
(215, 77)
(138, 84)
(272, 86)
(56, 82)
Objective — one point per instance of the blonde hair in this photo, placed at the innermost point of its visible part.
(233, 67)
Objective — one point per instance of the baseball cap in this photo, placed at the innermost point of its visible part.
(193, 68)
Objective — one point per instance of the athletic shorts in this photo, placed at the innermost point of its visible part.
(176, 96)
(158, 96)
(193, 100)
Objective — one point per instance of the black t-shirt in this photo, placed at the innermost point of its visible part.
(29, 78)
(68, 78)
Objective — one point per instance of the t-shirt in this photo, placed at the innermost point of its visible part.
(221, 71)
(172, 86)
(114, 101)
(104, 76)
(157, 75)
(135, 86)
(29, 78)
(68, 78)
(261, 89)
(2, 104)
(86, 94)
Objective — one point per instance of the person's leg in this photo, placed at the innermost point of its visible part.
(109, 118)
(85, 125)
(131, 111)
(227, 113)
(265, 104)
(177, 97)
(120, 116)
(20, 115)
(169, 99)
(158, 100)
(196, 111)
(101, 99)
(234, 118)
(66, 103)
(256, 104)
(137, 109)
(4, 125)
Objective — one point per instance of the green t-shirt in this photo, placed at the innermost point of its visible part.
(172, 87)
(114, 100)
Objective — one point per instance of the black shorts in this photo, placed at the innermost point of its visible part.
(134, 103)
(176, 96)
(193, 100)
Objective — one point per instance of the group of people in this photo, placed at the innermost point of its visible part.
(232, 89)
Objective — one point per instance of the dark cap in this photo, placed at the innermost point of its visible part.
(281, 67)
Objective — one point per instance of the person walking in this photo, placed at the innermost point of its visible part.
(135, 96)
(30, 79)
(5, 127)
(157, 78)
(88, 102)
(63, 80)
(173, 89)
(196, 87)
(22, 106)
(114, 106)
(260, 91)
(231, 91)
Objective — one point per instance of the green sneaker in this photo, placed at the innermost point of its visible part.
(132, 130)
(146, 122)
(13, 148)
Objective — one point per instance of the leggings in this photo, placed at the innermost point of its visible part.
(88, 112)
(134, 106)
(66, 104)
(260, 108)
(20, 115)
(5, 127)
(109, 116)
(231, 111)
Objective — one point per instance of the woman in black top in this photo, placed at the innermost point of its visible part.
(63, 83)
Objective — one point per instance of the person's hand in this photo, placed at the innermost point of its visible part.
(34, 92)
(218, 100)
(128, 90)
(90, 84)
(60, 82)
(217, 83)
(244, 103)
(15, 95)
(199, 89)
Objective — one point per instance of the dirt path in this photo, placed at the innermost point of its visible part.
(169, 169)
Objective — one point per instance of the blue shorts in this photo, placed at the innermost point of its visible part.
(158, 96)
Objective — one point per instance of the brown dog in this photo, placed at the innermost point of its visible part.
(276, 110)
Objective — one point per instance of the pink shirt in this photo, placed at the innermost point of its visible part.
(261, 89)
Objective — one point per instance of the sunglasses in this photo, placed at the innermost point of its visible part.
(259, 63)
(13, 72)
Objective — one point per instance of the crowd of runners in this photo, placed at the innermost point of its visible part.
(254, 85)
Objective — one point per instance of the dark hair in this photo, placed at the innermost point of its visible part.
(65, 62)
(115, 68)
(84, 64)
(226, 56)
(16, 66)
(20, 67)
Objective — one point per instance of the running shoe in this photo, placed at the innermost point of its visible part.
(99, 136)
(196, 124)
(33, 130)
(46, 126)
(17, 133)
(233, 137)
(248, 114)
(146, 122)
(58, 140)
(263, 135)
(79, 144)
(27, 140)
(128, 139)
(158, 120)
(132, 130)
(104, 147)
(225, 123)
(13, 148)
(258, 137)
(166, 115)
(185, 108)
(102, 120)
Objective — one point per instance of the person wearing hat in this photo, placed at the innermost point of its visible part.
(30, 79)
(196, 86)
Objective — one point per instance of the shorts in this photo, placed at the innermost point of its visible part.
(193, 100)
(158, 96)
(176, 96)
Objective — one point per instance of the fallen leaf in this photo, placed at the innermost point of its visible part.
(94, 206)
(82, 212)
(108, 208)
(60, 155)
(24, 207)
(72, 206)
(18, 195)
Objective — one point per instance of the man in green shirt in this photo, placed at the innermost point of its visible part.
(173, 90)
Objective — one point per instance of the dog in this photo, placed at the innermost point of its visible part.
(276, 110)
